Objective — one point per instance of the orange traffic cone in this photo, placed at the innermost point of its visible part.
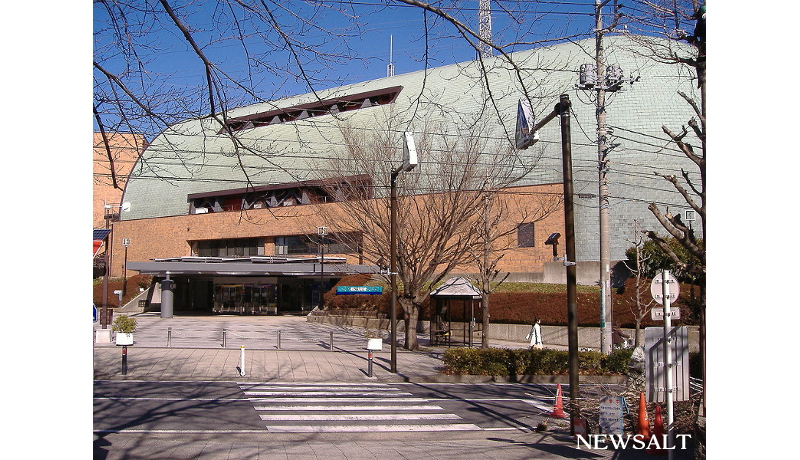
(558, 409)
(644, 423)
(658, 433)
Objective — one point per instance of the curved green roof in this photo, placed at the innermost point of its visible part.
(192, 157)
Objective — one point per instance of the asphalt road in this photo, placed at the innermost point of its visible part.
(212, 420)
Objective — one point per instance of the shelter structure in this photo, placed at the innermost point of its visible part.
(454, 293)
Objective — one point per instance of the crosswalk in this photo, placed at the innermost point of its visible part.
(347, 408)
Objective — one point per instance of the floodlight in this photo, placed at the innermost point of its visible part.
(409, 152)
(525, 122)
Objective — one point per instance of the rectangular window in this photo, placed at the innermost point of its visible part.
(309, 244)
(240, 247)
(525, 235)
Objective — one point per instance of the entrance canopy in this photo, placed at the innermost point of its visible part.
(251, 266)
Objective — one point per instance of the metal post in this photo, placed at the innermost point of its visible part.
(668, 362)
(124, 360)
(331, 342)
(224, 334)
(563, 108)
(241, 363)
(393, 271)
(369, 364)
(169, 337)
(104, 312)
(279, 339)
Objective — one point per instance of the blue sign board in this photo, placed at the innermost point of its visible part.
(350, 290)
(94, 312)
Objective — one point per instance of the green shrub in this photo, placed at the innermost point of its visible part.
(505, 362)
(590, 362)
(124, 324)
(617, 361)
(547, 362)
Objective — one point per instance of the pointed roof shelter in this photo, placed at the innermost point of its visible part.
(454, 289)
(457, 287)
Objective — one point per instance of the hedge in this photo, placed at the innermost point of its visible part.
(506, 362)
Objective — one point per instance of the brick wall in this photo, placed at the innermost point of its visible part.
(170, 236)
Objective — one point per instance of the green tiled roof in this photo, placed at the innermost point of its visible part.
(191, 157)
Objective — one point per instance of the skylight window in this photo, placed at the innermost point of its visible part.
(315, 109)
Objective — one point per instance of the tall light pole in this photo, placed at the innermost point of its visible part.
(108, 216)
(125, 242)
(409, 162)
(527, 135)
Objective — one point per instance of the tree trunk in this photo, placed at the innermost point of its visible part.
(411, 317)
(485, 327)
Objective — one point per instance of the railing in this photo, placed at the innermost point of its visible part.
(317, 338)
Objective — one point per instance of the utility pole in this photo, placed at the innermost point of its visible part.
(603, 79)
(602, 167)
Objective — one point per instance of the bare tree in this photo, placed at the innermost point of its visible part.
(641, 286)
(440, 203)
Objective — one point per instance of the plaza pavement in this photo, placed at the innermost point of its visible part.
(275, 348)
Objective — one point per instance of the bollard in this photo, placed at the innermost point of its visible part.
(224, 332)
(331, 341)
(241, 366)
(369, 366)
(169, 337)
(125, 360)
(279, 339)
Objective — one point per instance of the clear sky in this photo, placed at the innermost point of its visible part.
(338, 42)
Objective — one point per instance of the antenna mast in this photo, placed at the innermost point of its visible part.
(485, 27)
(390, 67)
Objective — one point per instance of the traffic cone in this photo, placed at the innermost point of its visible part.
(558, 409)
(658, 433)
(644, 423)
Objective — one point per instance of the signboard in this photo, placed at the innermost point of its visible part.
(657, 313)
(656, 288)
(351, 290)
(612, 411)
(655, 366)
(94, 313)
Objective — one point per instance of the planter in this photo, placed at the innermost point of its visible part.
(375, 344)
(124, 338)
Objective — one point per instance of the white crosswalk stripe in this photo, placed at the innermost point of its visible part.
(347, 408)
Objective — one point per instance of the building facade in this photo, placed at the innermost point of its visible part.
(255, 183)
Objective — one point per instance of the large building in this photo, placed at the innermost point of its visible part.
(114, 155)
(252, 185)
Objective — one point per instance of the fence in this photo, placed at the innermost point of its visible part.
(302, 337)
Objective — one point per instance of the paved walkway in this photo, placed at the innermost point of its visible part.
(275, 348)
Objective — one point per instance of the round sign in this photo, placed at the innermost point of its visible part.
(657, 289)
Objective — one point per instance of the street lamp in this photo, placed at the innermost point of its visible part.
(409, 162)
(526, 131)
(125, 242)
(108, 216)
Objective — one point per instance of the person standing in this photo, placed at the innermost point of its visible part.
(535, 335)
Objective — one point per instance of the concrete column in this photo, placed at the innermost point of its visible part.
(167, 286)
